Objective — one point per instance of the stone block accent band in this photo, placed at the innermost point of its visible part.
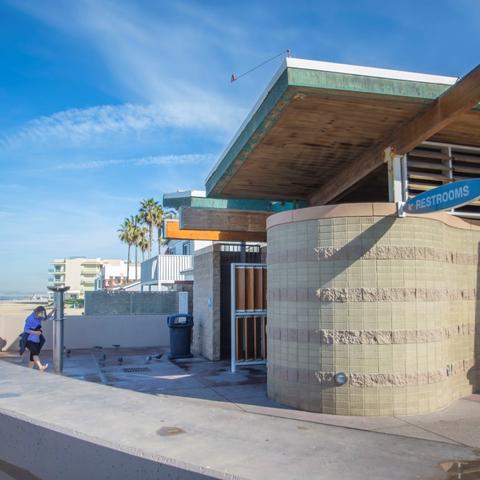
(371, 337)
(400, 294)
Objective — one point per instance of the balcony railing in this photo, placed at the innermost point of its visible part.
(165, 268)
(90, 271)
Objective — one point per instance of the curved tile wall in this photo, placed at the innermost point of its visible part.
(391, 302)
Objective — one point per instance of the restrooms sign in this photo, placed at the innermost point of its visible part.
(445, 197)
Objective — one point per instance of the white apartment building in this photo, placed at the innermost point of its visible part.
(80, 273)
(116, 273)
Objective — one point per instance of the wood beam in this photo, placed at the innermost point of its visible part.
(173, 232)
(459, 98)
(223, 220)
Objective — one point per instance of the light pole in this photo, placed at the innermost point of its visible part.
(58, 327)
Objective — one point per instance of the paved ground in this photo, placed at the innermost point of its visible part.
(227, 422)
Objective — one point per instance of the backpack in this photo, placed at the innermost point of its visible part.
(22, 342)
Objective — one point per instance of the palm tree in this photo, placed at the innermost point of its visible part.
(143, 243)
(151, 214)
(126, 236)
(135, 232)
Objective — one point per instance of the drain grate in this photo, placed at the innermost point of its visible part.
(136, 369)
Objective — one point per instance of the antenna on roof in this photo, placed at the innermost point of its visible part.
(287, 53)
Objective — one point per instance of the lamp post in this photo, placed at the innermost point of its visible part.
(58, 293)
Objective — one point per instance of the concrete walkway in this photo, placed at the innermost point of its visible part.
(202, 426)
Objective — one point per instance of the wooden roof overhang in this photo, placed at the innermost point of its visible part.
(318, 123)
(232, 219)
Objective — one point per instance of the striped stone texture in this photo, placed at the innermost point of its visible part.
(392, 302)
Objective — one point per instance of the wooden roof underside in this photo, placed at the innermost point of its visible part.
(310, 134)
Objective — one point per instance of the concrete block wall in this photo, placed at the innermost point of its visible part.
(391, 302)
(104, 302)
(206, 303)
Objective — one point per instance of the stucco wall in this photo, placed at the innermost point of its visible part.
(206, 303)
(392, 302)
(83, 331)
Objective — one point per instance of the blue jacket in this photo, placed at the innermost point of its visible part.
(32, 322)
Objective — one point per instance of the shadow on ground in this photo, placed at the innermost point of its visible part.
(149, 371)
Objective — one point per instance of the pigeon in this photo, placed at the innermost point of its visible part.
(159, 356)
(69, 352)
(148, 359)
(120, 360)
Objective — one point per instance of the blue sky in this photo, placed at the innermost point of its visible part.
(107, 102)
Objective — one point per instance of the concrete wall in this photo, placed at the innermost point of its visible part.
(125, 303)
(12, 318)
(206, 303)
(56, 454)
(392, 302)
(106, 328)
(86, 331)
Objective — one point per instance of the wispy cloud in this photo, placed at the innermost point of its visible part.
(89, 165)
(171, 73)
(78, 126)
(176, 159)
(143, 161)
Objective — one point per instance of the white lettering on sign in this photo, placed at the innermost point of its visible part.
(434, 200)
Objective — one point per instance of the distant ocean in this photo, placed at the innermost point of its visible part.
(11, 297)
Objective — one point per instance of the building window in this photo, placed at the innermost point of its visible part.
(186, 248)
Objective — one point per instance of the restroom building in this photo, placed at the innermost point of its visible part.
(369, 312)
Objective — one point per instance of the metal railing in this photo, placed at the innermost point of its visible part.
(237, 247)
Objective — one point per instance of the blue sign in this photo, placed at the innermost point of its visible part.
(445, 197)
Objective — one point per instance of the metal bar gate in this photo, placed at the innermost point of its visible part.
(248, 314)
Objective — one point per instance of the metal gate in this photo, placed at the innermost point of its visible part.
(231, 253)
(248, 283)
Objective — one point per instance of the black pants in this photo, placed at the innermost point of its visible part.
(34, 348)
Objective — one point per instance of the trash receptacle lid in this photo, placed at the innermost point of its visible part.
(180, 320)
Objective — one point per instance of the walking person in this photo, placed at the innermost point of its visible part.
(35, 338)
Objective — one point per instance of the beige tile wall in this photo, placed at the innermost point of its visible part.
(337, 275)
